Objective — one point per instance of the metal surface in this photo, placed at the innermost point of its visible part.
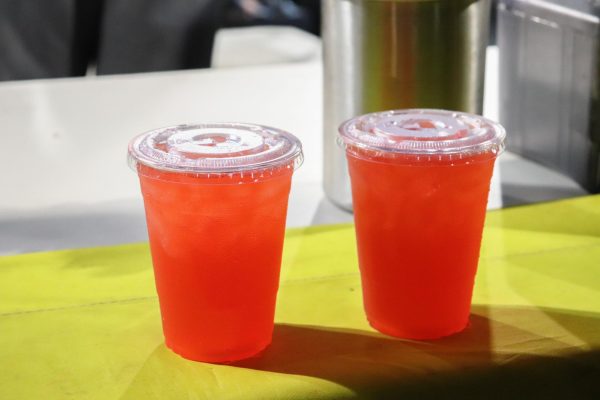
(390, 54)
(550, 83)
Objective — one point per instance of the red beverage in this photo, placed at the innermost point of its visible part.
(420, 182)
(216, 237)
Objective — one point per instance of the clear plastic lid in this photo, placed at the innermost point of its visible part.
(422, 132)
(218, 148)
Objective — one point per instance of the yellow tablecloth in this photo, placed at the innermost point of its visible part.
(85, 323)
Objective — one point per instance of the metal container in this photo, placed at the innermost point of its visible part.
(549, 83)
(391, 54)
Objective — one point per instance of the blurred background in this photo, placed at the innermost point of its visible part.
(301, 65)
(63, 38)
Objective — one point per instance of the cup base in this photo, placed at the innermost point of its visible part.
(217, 359)
(414, 334)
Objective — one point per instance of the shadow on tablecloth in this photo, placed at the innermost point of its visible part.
(490, 359)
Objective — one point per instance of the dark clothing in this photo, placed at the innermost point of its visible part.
(157, 35)
(36, 38)
(59, 38)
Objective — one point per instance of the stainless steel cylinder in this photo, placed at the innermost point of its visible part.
(549, 78)
(389, 54)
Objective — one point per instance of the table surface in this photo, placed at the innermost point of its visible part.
(85, 323)
(65, 180)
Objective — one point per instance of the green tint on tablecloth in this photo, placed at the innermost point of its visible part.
(85, 324)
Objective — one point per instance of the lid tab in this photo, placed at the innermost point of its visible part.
(423, 132)
(216, 148)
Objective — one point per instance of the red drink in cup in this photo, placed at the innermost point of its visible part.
(216, 201)
(420, 182)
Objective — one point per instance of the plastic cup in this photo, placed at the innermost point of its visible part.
(216, 199)
(420, 181)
